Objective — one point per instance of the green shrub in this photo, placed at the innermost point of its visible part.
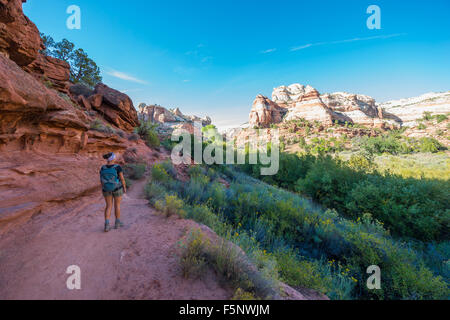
(170, 206)
(155, 192)
(152, 139)
(430, 145)
(361, 162)
(301, 273)
(241, 295)
(232, 265)
(135, 171)
(274, 217)
(381, 144)
(277, 229)
(441, 117)
(193, 257)
(204, 215)
(159, 174)
(421, 126)
(407, 207)
(147, 131)
(168, 167)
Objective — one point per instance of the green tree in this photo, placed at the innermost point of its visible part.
(49, 43)
(64, 50)
(82, 68)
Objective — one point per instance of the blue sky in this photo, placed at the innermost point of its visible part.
(213, 57)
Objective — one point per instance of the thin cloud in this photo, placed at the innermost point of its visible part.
(269, 50)
(346, 41)
(124, 76)
(131, 90)
(303, 47)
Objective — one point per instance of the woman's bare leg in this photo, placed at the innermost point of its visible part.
(117, 202)
(109, 204)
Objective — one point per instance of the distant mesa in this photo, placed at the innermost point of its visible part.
(305, 102)
(166, 117)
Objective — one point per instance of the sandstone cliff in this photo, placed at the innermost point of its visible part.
(297, 101)
(48, 125)
(408, 111)
(169, 121)
(163, 116)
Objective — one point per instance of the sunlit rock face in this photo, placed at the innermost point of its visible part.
(408, 111)
(265, 112)
(298, 101)
(161, 115)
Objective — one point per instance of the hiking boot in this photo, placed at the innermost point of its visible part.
(107, 227)
(118, 224)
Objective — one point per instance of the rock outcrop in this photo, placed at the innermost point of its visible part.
(297, 101)
(54, 73)
(310, 106)
(406, 112)
(157, 114)
(265, 112)
(116, 107)
(33, 115)
(163, 116)
(19, 37)
(354, 108)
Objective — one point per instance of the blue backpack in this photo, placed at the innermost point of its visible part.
(110, 179)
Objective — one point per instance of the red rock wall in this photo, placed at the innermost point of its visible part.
(49, 156)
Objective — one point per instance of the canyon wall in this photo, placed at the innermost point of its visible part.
(52, 133)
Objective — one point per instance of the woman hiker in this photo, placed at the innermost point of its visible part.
(113, 187)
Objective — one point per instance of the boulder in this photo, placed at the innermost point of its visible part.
(53, 72)
(116, 107)
(80, 89)
(19, 37)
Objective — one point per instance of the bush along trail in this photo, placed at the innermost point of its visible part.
(291, 239)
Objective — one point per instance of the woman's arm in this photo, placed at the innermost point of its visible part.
(124, 184)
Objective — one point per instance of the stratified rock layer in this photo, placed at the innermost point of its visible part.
(161, 115)
(297, 101)
(408, 111)
(304, 102)
(51, 138)
(53, 72)
(19, 37)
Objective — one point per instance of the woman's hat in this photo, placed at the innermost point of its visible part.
(112, 157)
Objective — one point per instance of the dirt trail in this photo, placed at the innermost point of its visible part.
(136, 262)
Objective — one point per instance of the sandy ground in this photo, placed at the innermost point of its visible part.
(136, 262)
